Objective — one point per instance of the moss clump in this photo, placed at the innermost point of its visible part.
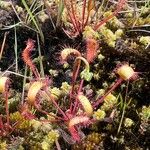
(49, 140)
(145, 114)
(90, 33)
(128, 122)
(94, 137)
(92, 142)
(109, 102)
(114, 22)
(109, 36)
(5, 5)
(39, 126)
(99, 114)
(145, 40)
(56, 93)
(35, 124)
(22, 122)
(3, 145)
(65, 87)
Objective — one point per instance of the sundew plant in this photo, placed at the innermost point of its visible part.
(74, 74)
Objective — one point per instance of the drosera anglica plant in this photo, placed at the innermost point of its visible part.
(79, 112)
(68, 117)
(39, 88)
(3, 84)
(126, 72)
(108, 114)
(33, 92)
(85, 75)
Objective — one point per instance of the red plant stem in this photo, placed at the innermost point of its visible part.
(89, 8)
(74, 17)
(74, 25)
(119, 7)
(70, 16)
(75, 74)
(83, 13)
(118, 82)
(74, 78)
(74, 133)
(6, 105)
(36, 73)
(71, 104)
(1, 124)
(104, 21)
(87, 19)
(56, 105)
(76, 100)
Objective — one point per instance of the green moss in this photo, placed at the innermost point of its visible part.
(145, 40)
(109, 102)
(22, 123)
(90, 33)
(49, 140)
(109, 36)
(99, 114)
(128, 122)
(5, 5)
(40, 126)
(65, 87)
(89, 143)
(3, 145)
(145, 114)
(114, 22)
(55, 92)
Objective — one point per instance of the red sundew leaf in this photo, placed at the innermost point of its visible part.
(91, 49)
